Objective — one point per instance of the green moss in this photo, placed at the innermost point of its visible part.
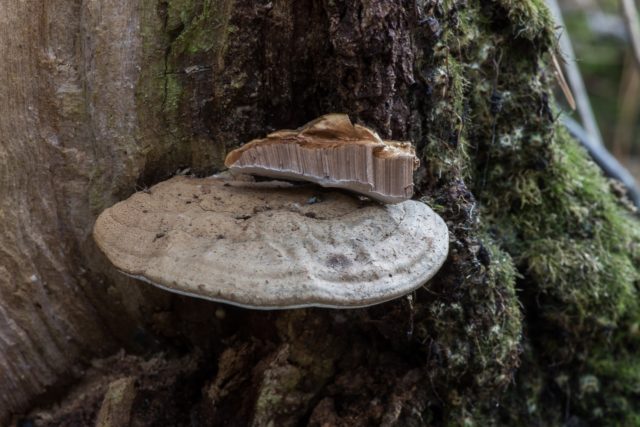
(618, 388)
(537, 215)
(203, 29)
(183, 41)
(477, 323)
(98, 191)
(576, 248)
(530, 19)
(172, 94)
(575, 242)
(278, 383)
(179, 13)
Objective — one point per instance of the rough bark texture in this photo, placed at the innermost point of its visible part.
(101, 98)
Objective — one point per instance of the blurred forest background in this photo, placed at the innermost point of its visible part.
(604, 54)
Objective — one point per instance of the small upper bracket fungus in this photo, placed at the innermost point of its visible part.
(332, 152)
(272, 244)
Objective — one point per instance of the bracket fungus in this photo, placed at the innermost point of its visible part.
(332, 152)
(272, 245)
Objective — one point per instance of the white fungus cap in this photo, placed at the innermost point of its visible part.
(272, 245)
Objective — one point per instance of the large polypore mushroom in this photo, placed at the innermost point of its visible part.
(272, 244)
(332, 152)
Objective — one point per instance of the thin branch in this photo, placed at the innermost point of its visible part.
(630, 15)
(628, 107)
(575, 78)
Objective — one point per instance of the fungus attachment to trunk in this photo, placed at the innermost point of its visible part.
(332, 152)
(272, 245)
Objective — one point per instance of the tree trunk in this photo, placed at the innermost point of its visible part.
(533, 320)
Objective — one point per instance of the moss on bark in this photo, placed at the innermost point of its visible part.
(572, 246)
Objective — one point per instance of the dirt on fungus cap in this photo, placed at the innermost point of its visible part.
(272, 245)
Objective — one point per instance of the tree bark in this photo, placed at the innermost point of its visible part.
(533, 319)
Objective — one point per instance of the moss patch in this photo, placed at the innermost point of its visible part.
(540, 216)
(183, 45)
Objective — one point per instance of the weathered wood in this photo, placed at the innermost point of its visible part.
(69, 144)
(115, 410)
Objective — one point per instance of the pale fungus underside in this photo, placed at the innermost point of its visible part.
(272, 244)
(332, 152)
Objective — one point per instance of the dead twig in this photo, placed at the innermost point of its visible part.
(630, 16)
(574, 78)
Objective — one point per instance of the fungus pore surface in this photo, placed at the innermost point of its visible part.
(332, 152)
